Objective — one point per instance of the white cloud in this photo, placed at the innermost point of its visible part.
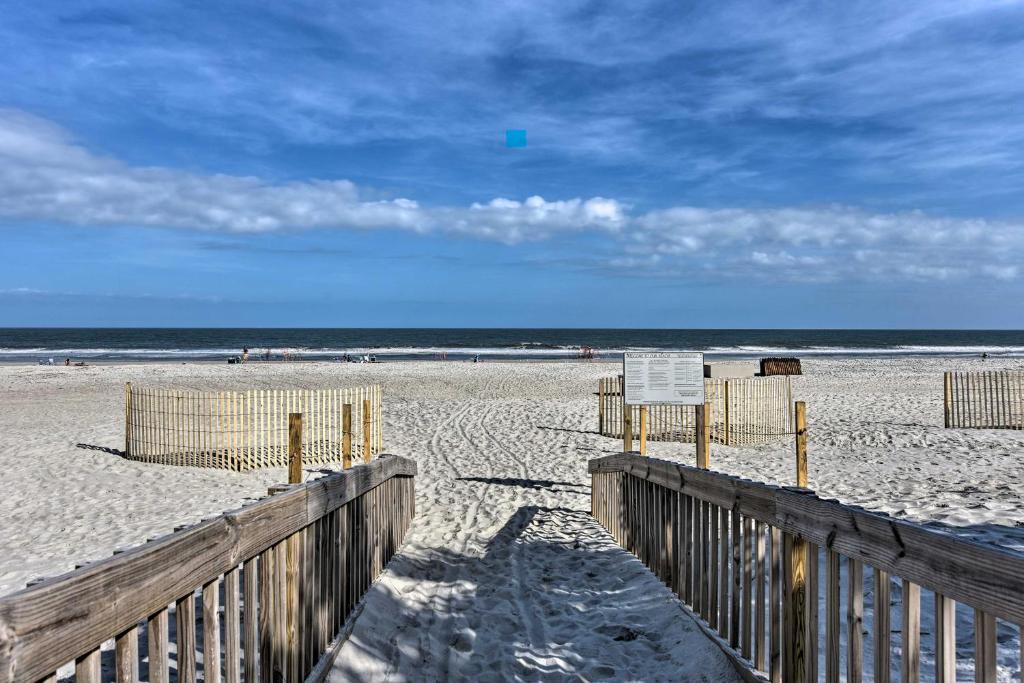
(46, 177)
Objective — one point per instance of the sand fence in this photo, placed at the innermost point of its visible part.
(244, 430)
(744, 411)
(747, 558)
(984, 400)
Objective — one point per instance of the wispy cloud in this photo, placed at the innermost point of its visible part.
(715, 99)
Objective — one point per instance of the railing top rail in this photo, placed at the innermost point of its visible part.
(979, 575)
(214, 392)
(49, 624)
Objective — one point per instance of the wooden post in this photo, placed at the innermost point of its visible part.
(346, 435)
(643, 430)
(128, 419)
(627, 426)
(367, 451)
(295, 448)
(794, 619)
(703, 435)
(801, 444)
(947, 397)
(726, 403)
(600, 406)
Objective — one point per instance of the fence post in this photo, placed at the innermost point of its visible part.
(702, 435)
(367, 453)
(294, 448)
(726, 402)
(801, 443)
(947, 395)
(643, 430)
(627, 426)
(127, 418)
(346, 435)
(600, 406)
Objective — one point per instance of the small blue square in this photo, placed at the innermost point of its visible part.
(515, 138)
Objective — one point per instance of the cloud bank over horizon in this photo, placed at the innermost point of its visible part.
(46, 176)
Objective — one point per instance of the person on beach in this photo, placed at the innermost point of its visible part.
(245, 355)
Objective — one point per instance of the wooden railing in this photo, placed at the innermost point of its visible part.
(244, 430)
(745, 557)
(984, 400)
(288, 570)
(744, 411)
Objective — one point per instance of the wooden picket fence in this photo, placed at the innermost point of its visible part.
(984, 400)
(745, 557)
(273, 584)
(744, 411)
(244, 430)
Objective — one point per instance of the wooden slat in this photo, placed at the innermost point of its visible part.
(811, 662)
(760, 656)
(250, 623)
(211, 632)
(775, 668)
(232, 654)
(945, 639)
(126, 652)
(749, 568)
(854, 621)
(832, 628)
(736, 536)
(985, 670)
(87, 668)
(156, 635)
(185, 638)
(795, 635)
(882, 626)
(910, 662)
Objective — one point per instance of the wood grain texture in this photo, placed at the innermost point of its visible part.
(211, 632)
(910, 662)
(832, 624)
(126, 653)
(156, 634)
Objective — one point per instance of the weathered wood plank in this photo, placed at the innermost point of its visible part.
(87, 668)
(211, 632)
(945, 639)
(760, 656)
(156, 635)
(811, 665)
(910, 662)
(882, 626)
(185, 638)
(985, 670)
(854, 621)
(832, 630)
(126, 653)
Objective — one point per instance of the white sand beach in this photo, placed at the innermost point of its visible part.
(504, 575)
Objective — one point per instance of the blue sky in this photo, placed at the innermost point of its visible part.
(688, 164)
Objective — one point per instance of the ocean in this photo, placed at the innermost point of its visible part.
(32, 345)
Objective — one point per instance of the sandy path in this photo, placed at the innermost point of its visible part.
(505, 576)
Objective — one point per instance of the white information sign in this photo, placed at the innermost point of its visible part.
(673, 378)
